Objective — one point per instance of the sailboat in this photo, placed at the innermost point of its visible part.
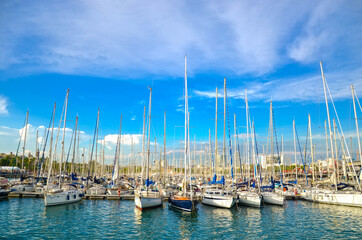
(146, 198)
(248, 198)
(68, 193)
(184, 201)
(272, 197)
(216, 194)
(335, 195)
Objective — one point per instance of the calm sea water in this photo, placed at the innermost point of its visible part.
(99, 219)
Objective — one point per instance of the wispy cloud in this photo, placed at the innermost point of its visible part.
(297, 89)
(3, 106)
(118, 37)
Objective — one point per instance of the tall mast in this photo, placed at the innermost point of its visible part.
(355, 117)
(247, 137)
(224, 135)
(26, 130)
(329, 122)
(186, 128)
(51, 138)
(164, 149)
(65, 121)
(216, 146)
(235, 154)
(149, 137)
(283, 156)
(50, 149)
(271, 129)
(143, 143)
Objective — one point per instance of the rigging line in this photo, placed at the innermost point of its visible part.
(355, 94)
(45, 144)
(94, 137)
(237, 140)
(70, 147)
(345, 143)
(17, 151)
(276, 137)
(301, 154)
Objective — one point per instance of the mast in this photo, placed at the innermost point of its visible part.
(235, 154)
(104, 147)
(75, 142)
(36, 151)
(295, 153)
(355, 117)
(143, 143)
(26, 130)
(327, 149)
(51, 136)
(186, 127)
(96, 160)
(65, 121)
(224, 133)
(210, 153)
(216, 147)
(329, 122)
(118, 150)
(164, 150)
(311, 145)
(148, 139)
(247, 137)
(283, 156)
(271, 129)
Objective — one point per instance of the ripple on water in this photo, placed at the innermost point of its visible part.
(100, 219)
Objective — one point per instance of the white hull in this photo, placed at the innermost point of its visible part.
(116, 192)
(273, 198)
(249, 199)
(329, 197)
(219, 201)
(96, 191)
(147, 202)
(22, 188)
(64, 197)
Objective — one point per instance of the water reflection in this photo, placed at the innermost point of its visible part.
(120, 219)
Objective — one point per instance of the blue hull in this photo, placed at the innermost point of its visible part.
(184, 205)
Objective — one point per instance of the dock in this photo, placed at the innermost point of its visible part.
(26, 195)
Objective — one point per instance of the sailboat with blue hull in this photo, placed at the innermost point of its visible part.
(182, 203)
(183, 200)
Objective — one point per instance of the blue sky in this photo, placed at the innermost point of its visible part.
(108, 52)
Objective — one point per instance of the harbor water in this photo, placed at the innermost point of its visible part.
(27, 218)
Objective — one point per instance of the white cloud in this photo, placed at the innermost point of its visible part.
(110, 140)
(117, 37)
(3, 106)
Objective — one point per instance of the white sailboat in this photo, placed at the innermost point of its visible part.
(216, 195)
(336, 197)
(272, 197)
(146, 198)
(68, 193)
(249, 198)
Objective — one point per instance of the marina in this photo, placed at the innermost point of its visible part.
(160, 119)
